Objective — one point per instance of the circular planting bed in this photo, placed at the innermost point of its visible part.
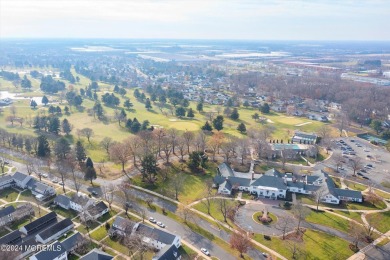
(271, 219)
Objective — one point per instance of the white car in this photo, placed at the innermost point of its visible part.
(160, 224)
(152, 220)
(61, 183)
(44, 175)
(205, 251)
(54, 180)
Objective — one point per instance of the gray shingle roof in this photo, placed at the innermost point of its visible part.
(6, 178)
(96, 254)
(19, 176)
(55, 228)
(6, 211)
(270, 181)
(58, 250)
(273, 172)
(227, 185)
(52, 216)
(225, 170)
(239, 181)
(349, 193)
(80, 199)
(167, 253)
(38, 186)
(155, 233)
(72, 241)
(62, 199)
(97, 208)
(122, 223)
(219, 179)
(11, 238)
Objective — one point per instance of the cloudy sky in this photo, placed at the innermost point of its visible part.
(197, 19)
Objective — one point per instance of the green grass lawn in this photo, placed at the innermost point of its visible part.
(114, 244)
(27, 195)
(380, 221)
(107, 216)
(83, 229)
(67, 213)
(99, 233)
(65, 236)
(382, 194)
(214, 210)
(355, 186)
(9, 194)
(20, 223)
(193, 187)
(329, 220)
(315, 245)
(337, 182)
(187, 253)
(352, 215)
(261, 168)
(73, 257)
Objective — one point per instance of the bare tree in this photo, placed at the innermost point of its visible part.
(87, 132)
(285, 155)
(167, 148)
(160, 134)
(62, 168)
(338, 160)
(207, 196)
(356, 164)
(357, 233)
(106, 144)
(120, 152)
(188, 137)
(243, 150)
(177, 182)
(295, 249)
(3, 163)
(181, 146)
(126, 196)
(285, 223)
(300, 212)
(173, 133)
(185, 212)
(224, 206)
(241, 241)
(319, 194)
(108, 193)
(228, 149)
(200, 141)
(372, 197)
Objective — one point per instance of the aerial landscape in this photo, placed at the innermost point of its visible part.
(166, 130)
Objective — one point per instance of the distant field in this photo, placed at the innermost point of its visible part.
(284, 126)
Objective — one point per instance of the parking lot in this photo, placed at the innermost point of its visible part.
(375, 160)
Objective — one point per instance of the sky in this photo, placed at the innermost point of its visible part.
(367, 20)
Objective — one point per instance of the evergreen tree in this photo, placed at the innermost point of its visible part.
(234, 115)
(180, 112)
(98, 109)
(129, 122)
(137, 94)
(66, 126)
(80, 152)
(116, 89)
(190, 113)
(25, 83)
(246, 104)
(52, 109)
(27, 145)
(90, 174)
(66, 109)
(197, 159)
(242, 128)
(265, 108)
(89, 163)
(230, 102)
(61, 148)
(145, 125)
(43, 146)
(127, 104)
(153, 97)
(149, 167)
(207, 127)
(135, 126)
(33, 103)
(122, 92)
(45, 100)
(185, 103)
(148, 104)
(54, 125)
(199, 107)
(218, 123)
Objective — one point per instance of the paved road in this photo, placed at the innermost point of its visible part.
(378, 252)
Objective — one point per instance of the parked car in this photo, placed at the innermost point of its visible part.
(61, 183)
(363, 170)
(352, 140)
(359, 174)
(370, 165)
(365, 177)
(152, 220)
(205, 251)
(94, 193)
(160, 224)
(44, 175)
(54, 180)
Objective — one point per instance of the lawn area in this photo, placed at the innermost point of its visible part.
(261, 168)
(329, 220)
(67, 213)
(315, 245)
(355, 186)
(187, 253)
(114, 244)
(99, 233)
(20, 223)
(337, 182)
(107, 216)
(214, 210)
(27, 195)
(380, 221)
(352, 215)
(383, 194)
(73, 257)
(193, 187)
(83, 229)
(130, 217)
(9, 194)
(66, 235)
